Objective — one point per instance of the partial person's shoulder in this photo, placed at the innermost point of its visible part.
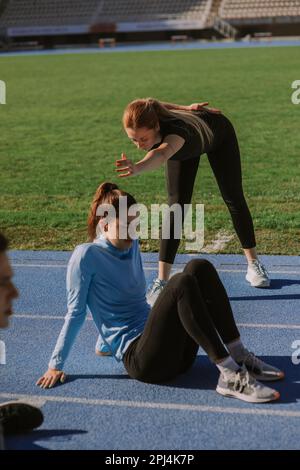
(83, 251)
(83, 248)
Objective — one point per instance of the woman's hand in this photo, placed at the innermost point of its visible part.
(126, 164)
(50, 378)
(202, 106)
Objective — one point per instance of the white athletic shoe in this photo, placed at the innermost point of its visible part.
(154, 290)
(257, 274)
(259, 369)
(243, 386)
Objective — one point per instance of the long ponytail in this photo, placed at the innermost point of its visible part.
(106, 193)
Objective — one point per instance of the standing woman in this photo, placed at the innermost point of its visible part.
(176, 136)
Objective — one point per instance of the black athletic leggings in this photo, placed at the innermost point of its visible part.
(193, 309)
(225, 161)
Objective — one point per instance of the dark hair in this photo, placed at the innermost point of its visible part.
(107, 193)
(3, 243)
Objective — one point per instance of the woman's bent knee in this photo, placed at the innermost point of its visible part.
(181, 279)
(198, 265)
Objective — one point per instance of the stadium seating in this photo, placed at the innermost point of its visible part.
(242, 9)
(39, 13)
(24, 13)
(137, 10)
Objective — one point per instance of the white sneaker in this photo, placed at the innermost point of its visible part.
(154, 290)
(257, 274)
(258, 369)
(241, 385)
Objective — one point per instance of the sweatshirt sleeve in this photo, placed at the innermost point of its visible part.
(79, 276)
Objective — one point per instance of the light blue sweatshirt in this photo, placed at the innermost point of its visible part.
(111, 283)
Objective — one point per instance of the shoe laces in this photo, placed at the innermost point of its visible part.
(242, 379)
(259, 268)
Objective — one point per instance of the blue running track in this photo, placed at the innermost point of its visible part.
(101, 407)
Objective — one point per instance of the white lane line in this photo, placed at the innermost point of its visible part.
(271, 325)
(37, 401)
(25, 265)
(244, 270)
(40, 317)
(160, 406)
(244, 325)
(146, 268)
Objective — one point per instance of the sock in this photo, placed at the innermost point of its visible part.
(236, 349)
(162, 281)
(227, 365)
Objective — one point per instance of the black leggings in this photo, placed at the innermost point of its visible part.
(225, 161)
(193, 309)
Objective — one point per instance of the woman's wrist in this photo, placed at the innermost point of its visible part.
(171, 106)
(183, 107)
(138, 168)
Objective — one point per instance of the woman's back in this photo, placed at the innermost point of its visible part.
(193, 147)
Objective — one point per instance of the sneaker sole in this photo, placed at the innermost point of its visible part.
(246, 398)
(267, 378)
(262, 284)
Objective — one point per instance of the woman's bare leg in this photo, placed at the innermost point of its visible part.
(164, 270)
(250, 253)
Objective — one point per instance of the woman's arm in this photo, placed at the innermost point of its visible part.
(175, 106)
(153, 159)
(192, 107)
(157, 157)
(79, 277)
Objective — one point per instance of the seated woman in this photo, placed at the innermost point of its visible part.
(159, 343)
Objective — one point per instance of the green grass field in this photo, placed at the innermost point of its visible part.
(61, 134)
